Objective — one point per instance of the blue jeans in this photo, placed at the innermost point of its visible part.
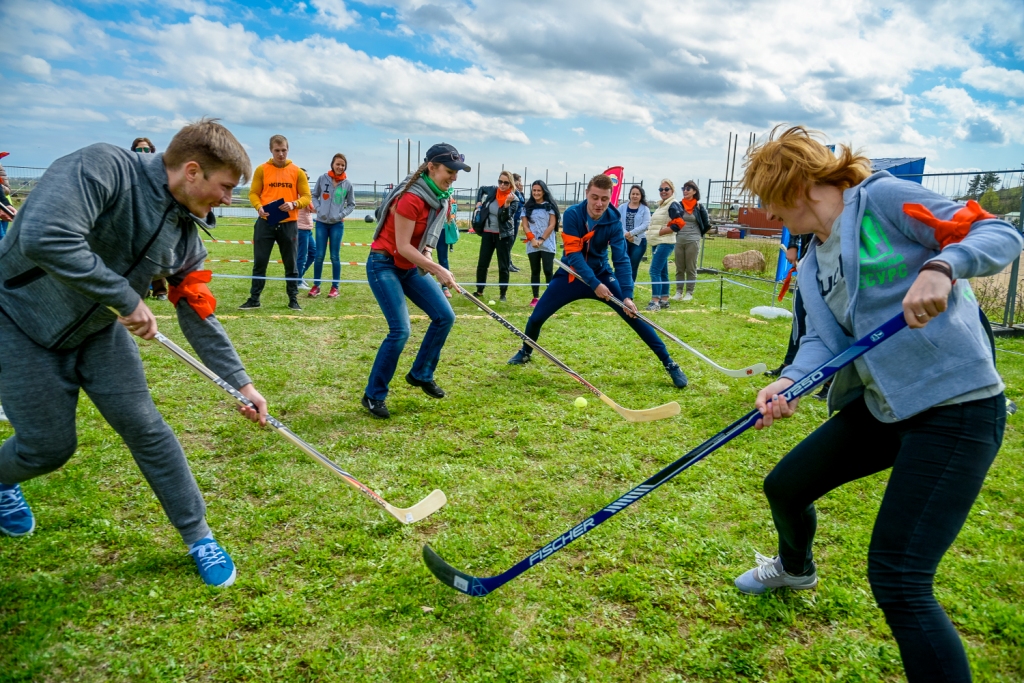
(442, 253)
(659, 269)
(636, 251)
(306, 252)
(561, 292)
(3, 228)
(391, 285)
(332, 232)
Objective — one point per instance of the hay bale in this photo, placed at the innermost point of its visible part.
(752, 261)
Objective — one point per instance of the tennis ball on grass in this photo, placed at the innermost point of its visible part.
(580, 402)
(491, 302)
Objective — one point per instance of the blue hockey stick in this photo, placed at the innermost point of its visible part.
(480, 586)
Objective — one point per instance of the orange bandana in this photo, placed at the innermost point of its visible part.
(502, 196)
(689, 205)
(337, 178)
(196, 293)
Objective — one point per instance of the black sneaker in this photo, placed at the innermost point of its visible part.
(376, 408)
(513, 269)
(502, 299)
(677, 375)
(521, 358)
(294, 305)
(823, 394)
(249, 304)
(429, 388)
(776, 372)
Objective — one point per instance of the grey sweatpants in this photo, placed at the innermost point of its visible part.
(39, 389)
(686, 265)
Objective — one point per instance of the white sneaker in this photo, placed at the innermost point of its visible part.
(304, 285)
(687, 297)
(769, 574)
(678, 296)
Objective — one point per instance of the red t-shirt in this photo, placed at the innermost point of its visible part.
(415, 209)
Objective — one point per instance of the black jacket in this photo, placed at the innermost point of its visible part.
(506, 215)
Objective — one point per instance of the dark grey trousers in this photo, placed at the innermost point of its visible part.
(39, 389)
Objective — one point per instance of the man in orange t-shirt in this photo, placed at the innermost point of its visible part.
(277, 179)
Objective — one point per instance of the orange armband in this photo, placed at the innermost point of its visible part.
(949, 232)
(193, 288)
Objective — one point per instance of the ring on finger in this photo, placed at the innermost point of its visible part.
(921, 315)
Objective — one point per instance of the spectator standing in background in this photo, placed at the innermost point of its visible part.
(517, 218)
(695, 224)
(636, 216)
(306, 250)
(277, 179)
(334, 199)
(500, 204)
(5, 188)
(159, 286)
(540, 222)
(661, 244)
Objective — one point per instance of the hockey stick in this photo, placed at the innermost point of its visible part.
(480, 586)
(750, 370)
(420, 510)
(648, 415)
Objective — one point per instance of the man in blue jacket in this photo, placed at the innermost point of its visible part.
(589, 229)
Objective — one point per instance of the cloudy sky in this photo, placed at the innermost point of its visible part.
(563, 87)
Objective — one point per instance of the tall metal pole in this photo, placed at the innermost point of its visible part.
(725, 178)
(418, 154)
(408, 157)
(398, 161)
(1011, 292)
(545, 176)
(732, 175)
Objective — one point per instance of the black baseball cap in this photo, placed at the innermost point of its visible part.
(443, 153)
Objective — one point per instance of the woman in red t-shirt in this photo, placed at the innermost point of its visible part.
(398, 267)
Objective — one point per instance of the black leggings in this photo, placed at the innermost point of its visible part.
(491, 244)
(939, 459)
(536, 259)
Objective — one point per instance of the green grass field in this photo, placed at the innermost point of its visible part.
(330, 588)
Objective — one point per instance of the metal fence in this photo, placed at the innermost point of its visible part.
(22, 179)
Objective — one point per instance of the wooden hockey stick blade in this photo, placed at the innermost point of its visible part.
(426, 507)
(658, 413)
(649, 415)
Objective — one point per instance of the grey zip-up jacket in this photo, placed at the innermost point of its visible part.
(96, 230)
(339, 202)
(883, 248)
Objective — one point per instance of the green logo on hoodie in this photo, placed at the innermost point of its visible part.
(879, 262)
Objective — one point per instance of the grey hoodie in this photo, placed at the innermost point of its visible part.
(99, 226)
(339, 202)
(882, 250)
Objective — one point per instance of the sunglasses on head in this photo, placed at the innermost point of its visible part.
(445, 156)
(664, 189)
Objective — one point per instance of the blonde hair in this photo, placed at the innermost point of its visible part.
(782, 168)
(672, 196)
(511, 180)
(210, 145)
(277, 140)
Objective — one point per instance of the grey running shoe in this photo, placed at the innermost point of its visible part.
(663, 304)
(653, 306)
(769, 574)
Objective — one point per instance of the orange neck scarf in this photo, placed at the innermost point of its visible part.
(335, 177)
(502, 196)
(689, 205)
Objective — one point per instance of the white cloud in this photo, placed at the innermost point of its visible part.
(995, 79)
(33, 66)
(579, 130)
(334, 13)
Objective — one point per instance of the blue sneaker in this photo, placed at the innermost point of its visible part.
(521, 358)
(215, 565)
(16, 518)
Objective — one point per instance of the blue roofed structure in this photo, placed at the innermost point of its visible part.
(908, 168)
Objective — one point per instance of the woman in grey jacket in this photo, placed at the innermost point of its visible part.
(928, 406)
(636, 216)
(500, 204)
(333, 199)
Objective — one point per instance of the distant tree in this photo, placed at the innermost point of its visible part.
(990, 201)
(974, 188)
(990, 182)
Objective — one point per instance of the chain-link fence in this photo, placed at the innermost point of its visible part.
(22, 179)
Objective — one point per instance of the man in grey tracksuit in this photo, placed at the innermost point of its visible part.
(101, 224)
